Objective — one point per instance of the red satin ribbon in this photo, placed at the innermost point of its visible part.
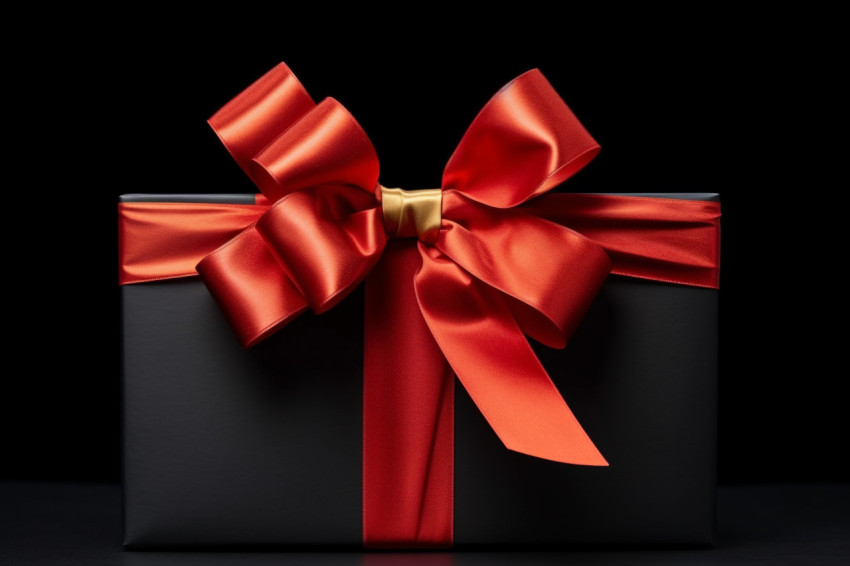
(504, 266)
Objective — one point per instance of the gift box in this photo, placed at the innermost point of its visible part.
(263, 405)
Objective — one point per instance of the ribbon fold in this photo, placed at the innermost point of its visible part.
(502, 265)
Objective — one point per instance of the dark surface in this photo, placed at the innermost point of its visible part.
(63, 524)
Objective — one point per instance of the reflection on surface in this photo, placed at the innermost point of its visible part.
(131, 558)
(65, 524)
(414, 559)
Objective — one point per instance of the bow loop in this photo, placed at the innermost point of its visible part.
(326, 239)
(524, 142)
(549, 281)
(258, 115)
(326, 146)
(324, 232)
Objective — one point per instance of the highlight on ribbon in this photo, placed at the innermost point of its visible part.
(462, 274)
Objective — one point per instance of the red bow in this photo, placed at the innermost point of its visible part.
(501, 268)
(494, 273)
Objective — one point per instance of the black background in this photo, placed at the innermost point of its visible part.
(708, 102)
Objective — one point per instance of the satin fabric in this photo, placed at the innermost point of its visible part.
(165, 240)
(670, 240)
(505, 264)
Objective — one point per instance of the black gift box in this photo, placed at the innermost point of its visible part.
(226, 446)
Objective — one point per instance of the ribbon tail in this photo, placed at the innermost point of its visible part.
(485, 346)
(408, 414)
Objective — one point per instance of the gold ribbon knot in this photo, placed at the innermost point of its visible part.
(409, 214)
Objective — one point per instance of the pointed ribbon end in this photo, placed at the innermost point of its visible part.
(580, 453)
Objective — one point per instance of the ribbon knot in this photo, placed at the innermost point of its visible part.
(412, 214)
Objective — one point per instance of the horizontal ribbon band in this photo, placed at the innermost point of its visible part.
(163, 240)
